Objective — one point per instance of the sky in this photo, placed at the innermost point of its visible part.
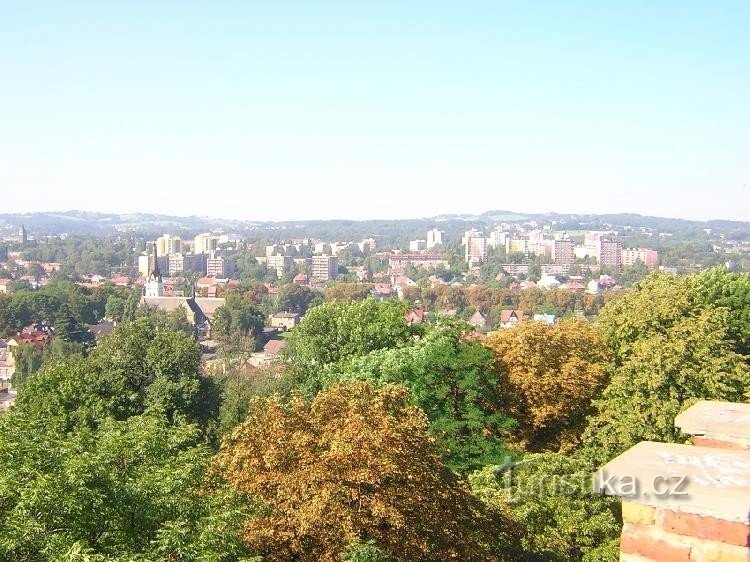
(320, 109)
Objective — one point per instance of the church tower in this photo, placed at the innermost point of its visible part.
(154, 286)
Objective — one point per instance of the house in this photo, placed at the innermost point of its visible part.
(382, 290)
(301, 279)
(548, 282)
(121, 280)
(7, 363)
(5, 285)
(285, 320)
(545, 318)
(205, 282)
(199, 311)
(273, 348)
(509, 318)
(7, 399)
(572, 286)
(478, 320)
(527, 284)
(414, 316)
(103, 328)
(448, 312)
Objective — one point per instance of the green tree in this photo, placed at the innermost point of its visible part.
(550, 496)
(128, 490)
(338, 331)
(453, 382)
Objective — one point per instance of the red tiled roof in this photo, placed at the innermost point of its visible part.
(506, 315)
(273, 347)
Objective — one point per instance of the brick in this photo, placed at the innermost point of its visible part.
(719, 443)
(688, 524)
(711, 551)
(638, 513)
(651, 542)
(634, 558)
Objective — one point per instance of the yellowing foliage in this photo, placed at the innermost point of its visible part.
(354, 465)
(548, 376)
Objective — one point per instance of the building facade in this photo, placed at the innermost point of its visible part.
(325, 268)
(610, 254)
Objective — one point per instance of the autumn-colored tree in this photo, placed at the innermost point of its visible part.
(354, 465)
(348, 292)
(548, 376)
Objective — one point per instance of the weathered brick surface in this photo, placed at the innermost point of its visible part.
(729, 532)
(711, 551)
(638, 513)
(652, 542)
(635, 558)
(715, 443)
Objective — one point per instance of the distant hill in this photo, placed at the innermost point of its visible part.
(149, 224)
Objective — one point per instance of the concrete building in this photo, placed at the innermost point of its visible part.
(400, 261)
(630, 256)
(563, 252)
(434, 238)
(498, 238)
(476, 247)
(516, 245)
(284, 320)
(417, 245)
(205, 243)
(610, 254)
(325, 268)
(187, 262)
(281, 264)
(543, 248)
(167, 245)
(220, 267)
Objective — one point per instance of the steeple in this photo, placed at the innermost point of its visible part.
(154, 285)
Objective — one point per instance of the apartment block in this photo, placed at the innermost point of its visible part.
(205, 243)
(167, 245)
(610, 254)
(630, 256)
(563, 252)
(434, 237)
(325, 268)
(281, 264)
(219, 267)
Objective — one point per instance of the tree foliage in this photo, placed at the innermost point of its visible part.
(550, 496)
(547, 379)
(338, 331)
(452, 381)
(675, 341)
(354, 465)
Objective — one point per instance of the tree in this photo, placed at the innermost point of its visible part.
(550, 496)
(354, 465)
(547, 378)
(662, 375)
(675, 340)
(452, 381)
(295, 298)
(128, 490)
(137, 367)
(28, 360)
(338, 331)
(238, 322)
(348, 292)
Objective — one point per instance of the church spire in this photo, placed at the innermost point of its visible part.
(154, 285)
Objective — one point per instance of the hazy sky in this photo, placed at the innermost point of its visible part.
(289, 110)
